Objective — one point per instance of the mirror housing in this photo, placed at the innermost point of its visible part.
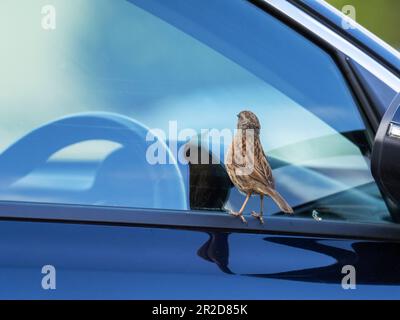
(385, 160)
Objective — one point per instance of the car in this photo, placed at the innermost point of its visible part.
(114, 126)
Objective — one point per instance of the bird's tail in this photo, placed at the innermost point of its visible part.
(283, 205)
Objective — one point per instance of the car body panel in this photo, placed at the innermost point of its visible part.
(112, 262)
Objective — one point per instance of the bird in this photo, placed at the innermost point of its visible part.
(248, 168)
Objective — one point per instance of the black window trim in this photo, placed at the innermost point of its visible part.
(200, 220)
(195, 220)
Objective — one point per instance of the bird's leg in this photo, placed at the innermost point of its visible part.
(240, 213)
(259, 216)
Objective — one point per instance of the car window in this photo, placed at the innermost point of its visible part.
(98, 108)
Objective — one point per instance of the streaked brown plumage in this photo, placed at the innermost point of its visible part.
(248, 168)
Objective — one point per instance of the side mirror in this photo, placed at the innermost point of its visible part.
(385, 161)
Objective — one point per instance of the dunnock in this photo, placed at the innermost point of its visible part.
(248, 168)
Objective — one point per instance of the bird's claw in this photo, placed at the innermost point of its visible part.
(258, 216)
(240, 215)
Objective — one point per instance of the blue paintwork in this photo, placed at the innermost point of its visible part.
(144, 263)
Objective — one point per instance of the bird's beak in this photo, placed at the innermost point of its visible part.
(238, 115)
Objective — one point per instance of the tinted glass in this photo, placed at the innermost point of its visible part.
(85, 81)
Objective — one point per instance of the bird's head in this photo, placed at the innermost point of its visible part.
(248, 120)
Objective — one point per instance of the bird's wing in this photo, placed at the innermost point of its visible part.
(267, 171)
(262, 173)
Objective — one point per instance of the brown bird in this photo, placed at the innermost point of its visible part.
(248, 168)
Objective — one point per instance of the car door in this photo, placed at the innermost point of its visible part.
(101, 196)
(131, 262)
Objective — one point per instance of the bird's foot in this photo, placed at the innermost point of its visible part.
(258, 216)
(238, 214)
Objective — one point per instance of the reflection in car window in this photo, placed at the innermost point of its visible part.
(76, 110)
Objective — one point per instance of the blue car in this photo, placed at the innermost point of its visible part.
(115, 121)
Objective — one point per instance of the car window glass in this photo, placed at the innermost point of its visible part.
(84, 103)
